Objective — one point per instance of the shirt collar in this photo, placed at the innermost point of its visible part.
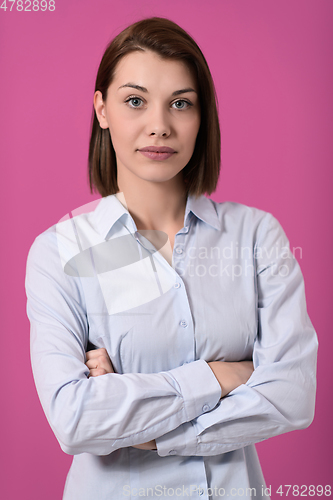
(110, 210)
(204, 209)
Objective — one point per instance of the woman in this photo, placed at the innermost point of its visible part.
(147, 307)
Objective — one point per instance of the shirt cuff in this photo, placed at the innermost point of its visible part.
(199, 387)
(180, 441)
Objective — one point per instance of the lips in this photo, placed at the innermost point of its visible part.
(157, 149)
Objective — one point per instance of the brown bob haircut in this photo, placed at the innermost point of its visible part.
(169, 41)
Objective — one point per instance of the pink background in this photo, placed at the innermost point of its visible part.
(272, 65)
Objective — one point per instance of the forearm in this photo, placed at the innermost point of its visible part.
(274, 401)
(101, 414)
(229, 376)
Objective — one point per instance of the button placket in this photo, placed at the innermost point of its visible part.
(178, 253)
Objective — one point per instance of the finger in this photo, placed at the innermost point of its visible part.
(93, 363)
(96, 372)
(95, 353)
(100, 362)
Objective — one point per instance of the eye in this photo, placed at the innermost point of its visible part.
(182, 102)
(134, 101)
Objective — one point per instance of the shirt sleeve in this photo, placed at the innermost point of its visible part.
(280, 395)
(98, 414)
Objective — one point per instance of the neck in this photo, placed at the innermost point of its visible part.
(155, 205)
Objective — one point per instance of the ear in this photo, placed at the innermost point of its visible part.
(100, 110)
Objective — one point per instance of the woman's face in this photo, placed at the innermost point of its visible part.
(150, 102)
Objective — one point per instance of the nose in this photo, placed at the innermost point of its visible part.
(157, 122)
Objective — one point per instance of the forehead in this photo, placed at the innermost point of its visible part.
(147, 68)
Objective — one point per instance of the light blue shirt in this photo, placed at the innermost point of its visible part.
(234, 291)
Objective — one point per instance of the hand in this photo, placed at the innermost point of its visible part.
(98, 362)
(231, 374)
(150, 445)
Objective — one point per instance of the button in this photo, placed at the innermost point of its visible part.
(205, 408)
(201, 492)
(179, 250)
(172, 452)
(177, 285)
(183, 323)
(186, 229)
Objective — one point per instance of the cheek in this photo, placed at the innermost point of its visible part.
(192, 132)
(122, 134)
(117, 125)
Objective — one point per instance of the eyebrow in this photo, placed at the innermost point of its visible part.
(143, 89)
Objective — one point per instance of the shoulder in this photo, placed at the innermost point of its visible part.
(74, 232)
(233, 214)
(243, 222)
(255, 228)
(237, 210)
